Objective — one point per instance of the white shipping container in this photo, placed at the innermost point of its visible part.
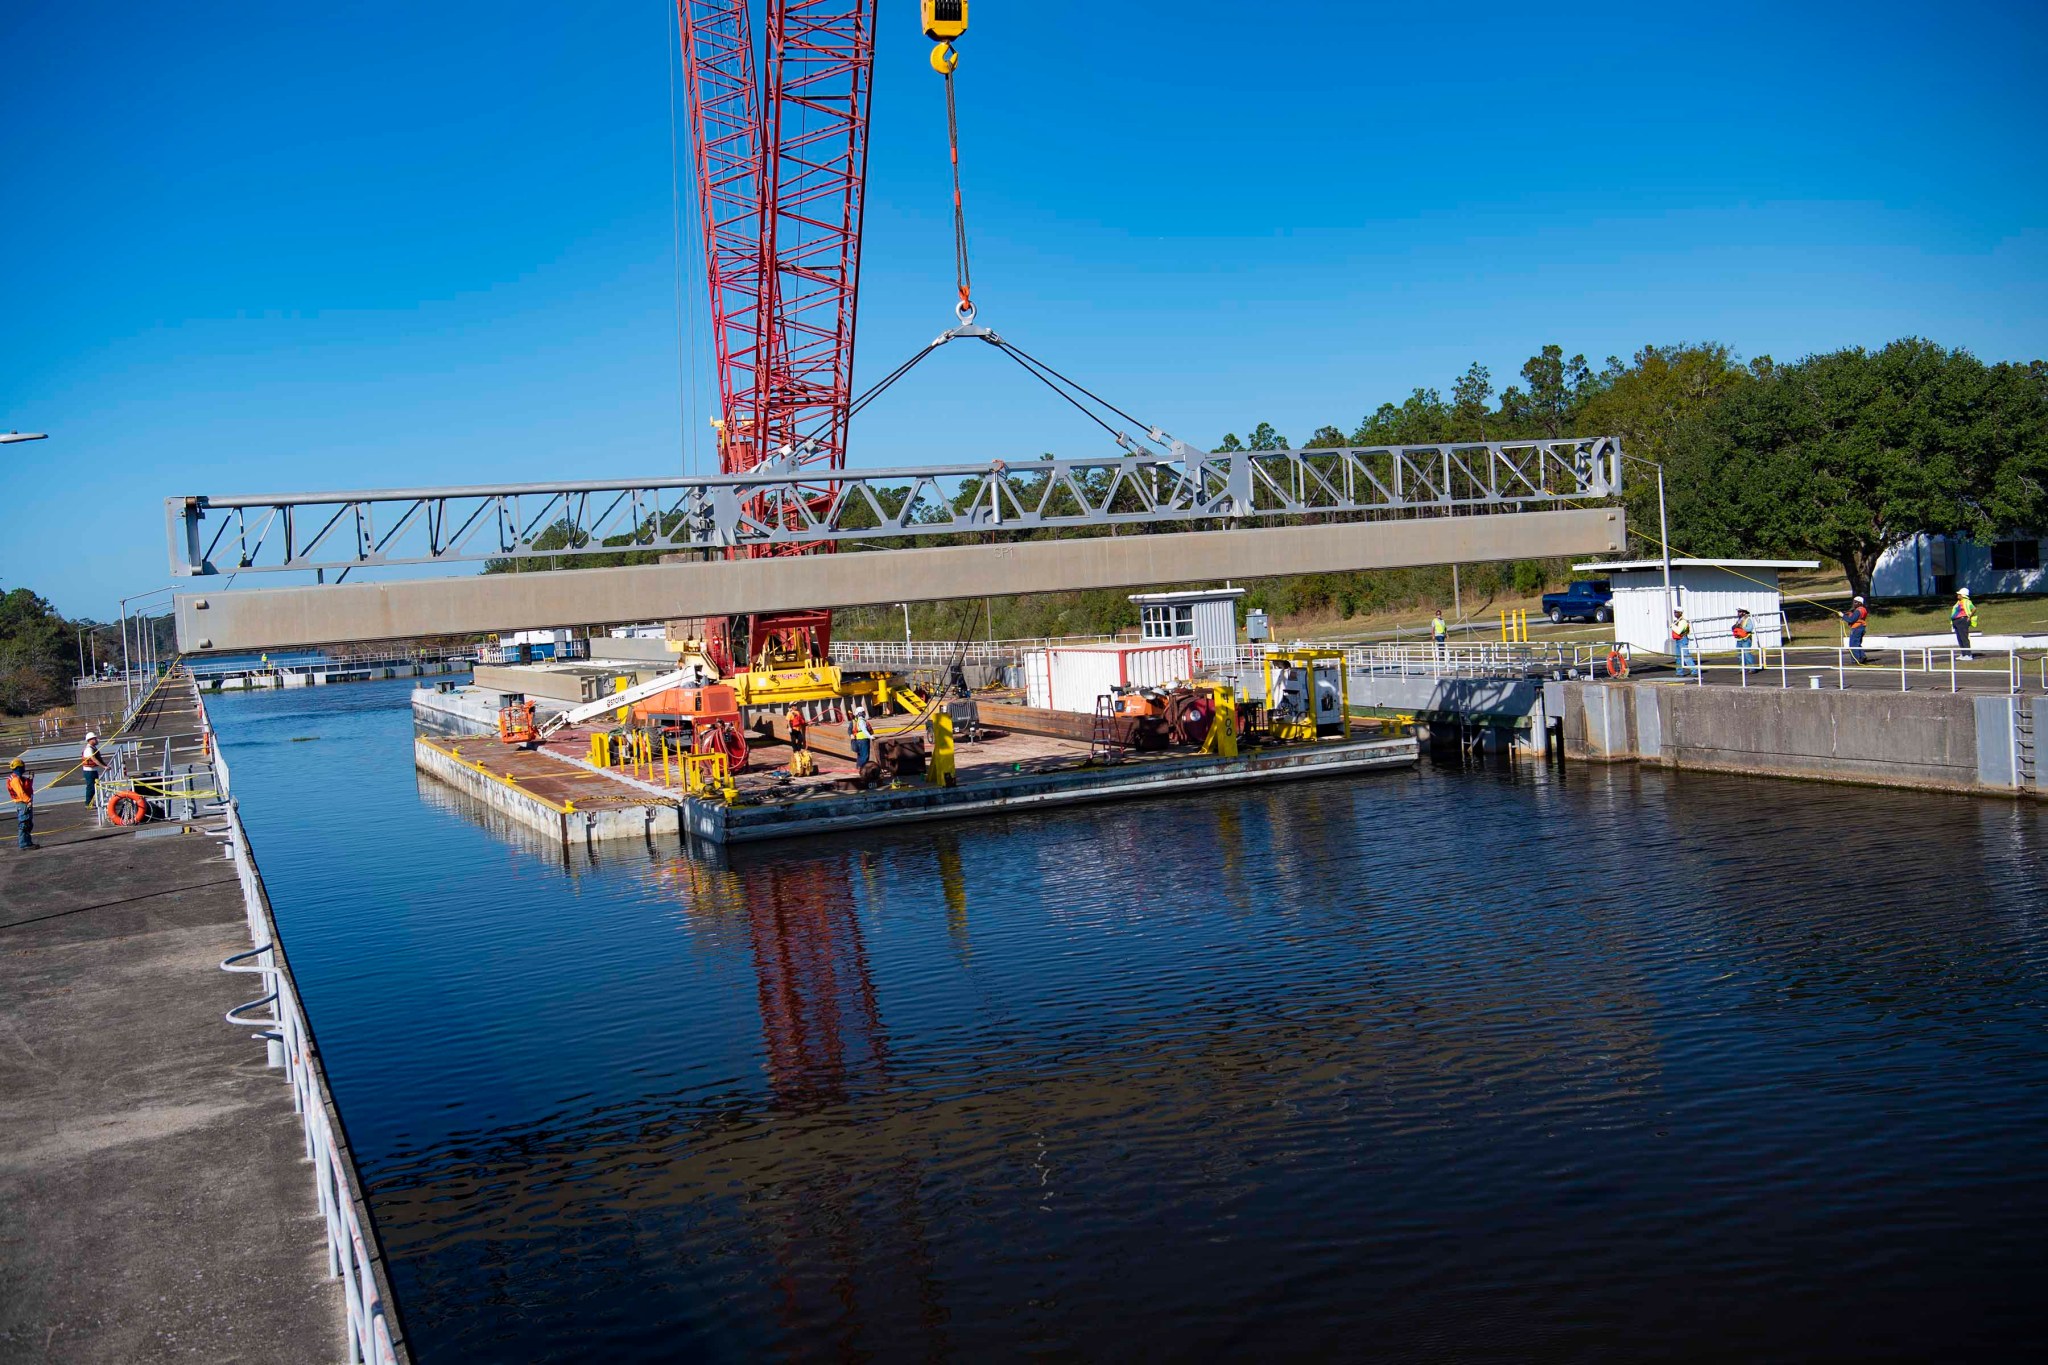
(1071, 677)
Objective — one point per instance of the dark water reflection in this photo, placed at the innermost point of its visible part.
(1459, 1065)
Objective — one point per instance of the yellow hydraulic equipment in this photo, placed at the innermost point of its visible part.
(1222, 737)
(624, 713)
(939, 769)
(708, 775)
(801, 764)
(1307, 696)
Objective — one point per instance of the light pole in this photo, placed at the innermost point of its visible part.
(906, 630)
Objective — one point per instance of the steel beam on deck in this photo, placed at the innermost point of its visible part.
(275, 618)
(778, 509)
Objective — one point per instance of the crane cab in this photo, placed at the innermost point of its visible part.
(944, 20)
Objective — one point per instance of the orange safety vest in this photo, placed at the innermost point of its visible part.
(21, 787)
(796, 720)
(1740, 630)
(1681, 630)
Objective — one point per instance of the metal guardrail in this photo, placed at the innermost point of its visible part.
(793, 507)
(943, 653)
(353, 1253)
(1937, 667)
(1474, 659)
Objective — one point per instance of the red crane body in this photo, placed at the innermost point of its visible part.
(779, 136)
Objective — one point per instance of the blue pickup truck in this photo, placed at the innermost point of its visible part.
(1589, 599)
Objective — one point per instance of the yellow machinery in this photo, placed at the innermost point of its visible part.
(1307, 697)
(944, 20)
(939, 769)
(1222, 737)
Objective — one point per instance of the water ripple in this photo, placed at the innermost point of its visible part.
(1455, 1065)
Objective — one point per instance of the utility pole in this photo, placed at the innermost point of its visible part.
(1664, 542)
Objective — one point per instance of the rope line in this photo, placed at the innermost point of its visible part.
(963, 277)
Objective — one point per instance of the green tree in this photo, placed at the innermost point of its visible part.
(1469, 397)
(1847, 454)
(1660, 404)
(38, 654)
(1557, 387)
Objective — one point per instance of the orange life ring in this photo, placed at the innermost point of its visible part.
(127, 808)
(1617, 664)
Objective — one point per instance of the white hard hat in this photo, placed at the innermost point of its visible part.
(1859, 599)
(1962, 592)
(92, 734)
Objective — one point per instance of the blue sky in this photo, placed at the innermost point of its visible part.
(255, 247)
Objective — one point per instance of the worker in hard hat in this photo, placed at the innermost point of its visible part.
(1744, 631)
(1681, 643)
(91, 765)
(1856, 618)
(1439, 631)
(799, 730)
(21, 790)
(1963, 616)
(863, 738)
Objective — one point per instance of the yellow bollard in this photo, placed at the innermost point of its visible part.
(1222, 737)
(942, 770)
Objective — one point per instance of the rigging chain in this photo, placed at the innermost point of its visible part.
(944, 61)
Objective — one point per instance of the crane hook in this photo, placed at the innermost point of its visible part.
(944, 59)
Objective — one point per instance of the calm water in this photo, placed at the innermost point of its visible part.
(1480, 1065)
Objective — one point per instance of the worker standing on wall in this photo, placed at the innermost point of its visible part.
(1439, 631)
(1856, 618)
(1964, 619)
(1681, 642)
(21, 790)
(1743, 633)
(91, 765)
(863, 739)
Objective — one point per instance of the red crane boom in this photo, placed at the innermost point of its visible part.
(780, 143)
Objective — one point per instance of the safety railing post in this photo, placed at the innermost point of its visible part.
(1951, 670)
(1841, 671)
(1902, 670)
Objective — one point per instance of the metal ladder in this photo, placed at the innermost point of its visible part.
(1105, 739)
(2022, 740)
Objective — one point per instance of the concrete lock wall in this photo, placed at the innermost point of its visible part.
(1937, 740)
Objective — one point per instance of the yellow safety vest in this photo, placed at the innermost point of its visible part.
(1437, 627)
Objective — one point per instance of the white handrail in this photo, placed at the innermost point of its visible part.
(353, 1253)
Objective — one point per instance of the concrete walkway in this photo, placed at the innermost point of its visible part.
(155, 1203)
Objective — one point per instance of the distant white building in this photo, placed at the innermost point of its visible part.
(1205, 618)
(1935, 566)
(1708, 591)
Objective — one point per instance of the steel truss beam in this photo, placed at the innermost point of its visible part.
(339, 532)
(212, 620)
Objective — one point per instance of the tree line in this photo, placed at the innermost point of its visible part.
(1838, 456)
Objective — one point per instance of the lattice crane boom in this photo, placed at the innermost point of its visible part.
(779, 138)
